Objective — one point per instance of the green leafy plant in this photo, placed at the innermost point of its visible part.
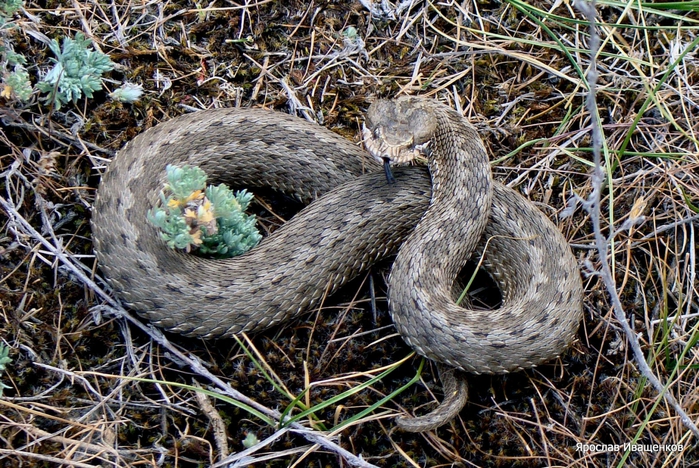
(212, 220)
(4, 360)
(16, 83)
(250, 440)
(77, 68)
(127, 92)
(7, 9)
(77, 71)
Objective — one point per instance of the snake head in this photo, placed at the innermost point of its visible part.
(398, 131)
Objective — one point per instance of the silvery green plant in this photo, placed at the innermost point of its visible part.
(16, 82)
(210, 220)
(7, 9)
(127, 92)
(77, 71)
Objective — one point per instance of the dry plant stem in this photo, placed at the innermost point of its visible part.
(217, 424)
(245, 454)
(588, 9)
(47, 458)
(19, 225)
(87, 446)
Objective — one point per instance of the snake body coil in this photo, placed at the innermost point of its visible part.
(357, 220)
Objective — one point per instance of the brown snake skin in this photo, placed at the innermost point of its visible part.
(343, 233)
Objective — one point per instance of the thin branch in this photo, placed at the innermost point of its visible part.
(20, 225)
(588, 9)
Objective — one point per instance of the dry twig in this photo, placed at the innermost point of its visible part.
(588, 8)
(21, 226)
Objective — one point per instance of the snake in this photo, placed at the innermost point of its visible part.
(432, 219)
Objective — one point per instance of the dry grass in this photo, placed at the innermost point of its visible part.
(107, 393)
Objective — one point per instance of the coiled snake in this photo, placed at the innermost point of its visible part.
(358, 219)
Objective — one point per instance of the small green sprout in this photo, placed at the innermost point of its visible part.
(12, 57)
(128, 93)
(211, 220)
(4, 360)
(17, 85)
(10, 7)
(250, 440)
(7, 9)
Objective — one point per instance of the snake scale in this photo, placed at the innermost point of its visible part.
(356, 219)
